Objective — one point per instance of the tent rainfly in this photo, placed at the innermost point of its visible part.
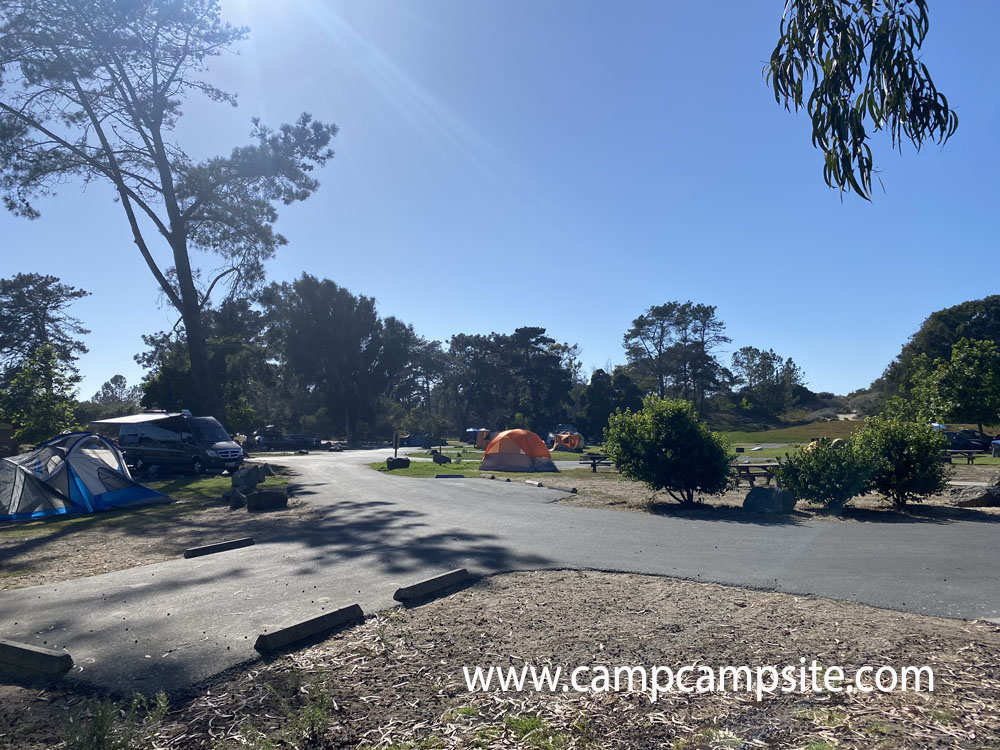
(81, 472)
(568, 441)
(517, 450)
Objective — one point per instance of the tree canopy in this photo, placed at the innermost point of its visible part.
(39, 398)
(93, 90)
(670, 350)
(34, 313)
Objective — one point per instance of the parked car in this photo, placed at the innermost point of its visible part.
(177, 441)
(960, 442)
(304, 442)
(272, 443)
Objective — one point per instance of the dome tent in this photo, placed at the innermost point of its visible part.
(517, 450)
(80, 472)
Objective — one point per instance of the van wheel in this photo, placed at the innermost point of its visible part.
(197, 466)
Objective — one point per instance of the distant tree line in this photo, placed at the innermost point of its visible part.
(311, 356)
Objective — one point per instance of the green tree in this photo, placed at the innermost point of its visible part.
(335, 346)
(34, 313)
(963, 388)
(118, 393)
(905, 458)
(93, 90)
(39, 400)
(665, 446)
(974, 319)
(852, 62)
(472, 380)
(825, 474)
(769, 382)
(670, 348)
(598, 404)
(115, 398)
(627, 394)
(249, 385)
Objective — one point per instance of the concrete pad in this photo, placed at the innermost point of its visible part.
(307, 628)
(428, 586)
(210, 549)
(33, 658)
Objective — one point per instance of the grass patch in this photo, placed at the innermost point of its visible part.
(800, 434)
(428, 469)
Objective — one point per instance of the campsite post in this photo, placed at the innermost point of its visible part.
(395, 444)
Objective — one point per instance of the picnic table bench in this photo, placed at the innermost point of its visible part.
(596, 459)
(751, 472)
(969, 455)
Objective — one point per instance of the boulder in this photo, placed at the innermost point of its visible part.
(235, 498)
(987, 496)
(769, 500)
(267, 500)
(397, 463)
(249, 477)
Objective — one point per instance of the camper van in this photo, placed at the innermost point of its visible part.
(178, 441)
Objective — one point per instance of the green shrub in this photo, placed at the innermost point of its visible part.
(905, 456)
(825, 474)
(666, 447)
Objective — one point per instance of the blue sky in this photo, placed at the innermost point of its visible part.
(568, 165)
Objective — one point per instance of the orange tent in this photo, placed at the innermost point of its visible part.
(517, 450)
(568, 441)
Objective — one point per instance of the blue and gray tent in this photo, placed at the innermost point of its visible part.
(81, 472)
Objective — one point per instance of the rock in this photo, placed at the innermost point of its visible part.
(769, 500)
(267, 500)
(249, 477)
(397, 463)
(236, 499)
(976, 497)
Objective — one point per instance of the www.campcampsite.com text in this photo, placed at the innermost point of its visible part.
(700, 678)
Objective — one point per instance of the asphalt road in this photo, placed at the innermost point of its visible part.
(174, 624)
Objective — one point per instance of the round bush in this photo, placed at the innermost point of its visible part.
(905, 456)
(665, 446)
(826, 474)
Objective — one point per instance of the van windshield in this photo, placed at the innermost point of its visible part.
(208, 430)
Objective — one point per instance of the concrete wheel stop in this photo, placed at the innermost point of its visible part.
(210, 549)
(431, 587)
(307, 629)
(33, 659)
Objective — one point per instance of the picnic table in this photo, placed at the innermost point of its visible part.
(752, 471)
(970, 455)
(596, 459)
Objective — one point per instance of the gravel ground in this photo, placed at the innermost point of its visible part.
(396, 680)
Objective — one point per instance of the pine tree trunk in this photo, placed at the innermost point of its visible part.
(190, 311)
